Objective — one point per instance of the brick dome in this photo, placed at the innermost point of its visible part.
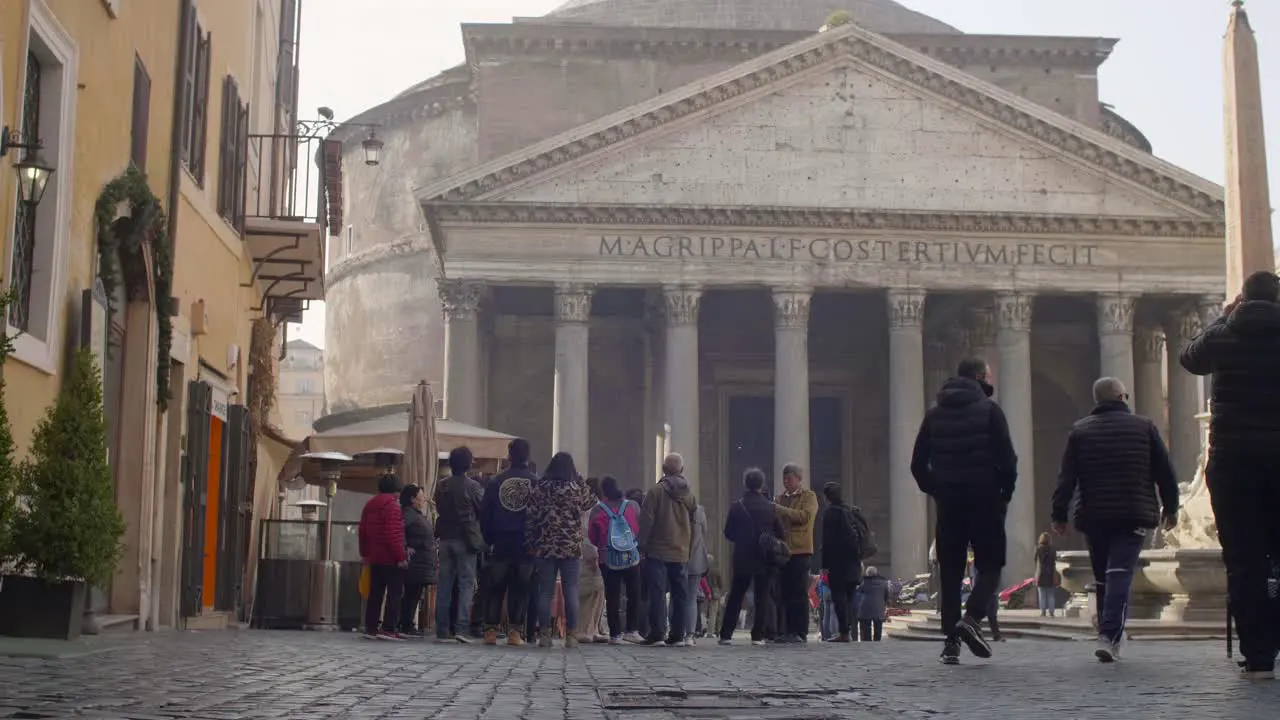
(883, 16)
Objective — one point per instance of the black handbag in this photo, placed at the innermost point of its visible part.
(774, 551)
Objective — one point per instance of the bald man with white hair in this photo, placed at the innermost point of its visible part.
(1118, 467)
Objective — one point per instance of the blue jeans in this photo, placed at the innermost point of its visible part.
(692, 587)
(830, 624)
(664, 577)
(1114, 557)
(457, 564)
(569, 570)
(1048, 599)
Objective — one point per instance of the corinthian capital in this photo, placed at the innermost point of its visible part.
(1014, 311)
(980, 328)
(1115, 313)
(906, 309)
(681, 304)
(460, 299)
(1209, 307)
(1182, 325)
(791, 309)
(1149, 341)
(573, 303)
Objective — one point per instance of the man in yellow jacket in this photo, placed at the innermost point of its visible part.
(798, 509)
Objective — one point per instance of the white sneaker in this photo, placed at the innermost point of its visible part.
(759, 643)
(688, 642)
(1107, 651)
(633, 637)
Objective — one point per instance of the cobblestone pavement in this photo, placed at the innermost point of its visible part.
(253, 674)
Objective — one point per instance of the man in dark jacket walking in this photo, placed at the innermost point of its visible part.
(964, 460)
(510, 569)
(1114, 462)
(841, 558)
(1241, 350)
(748, 519)
(458, 499)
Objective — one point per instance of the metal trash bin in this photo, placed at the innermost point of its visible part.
(323, 609)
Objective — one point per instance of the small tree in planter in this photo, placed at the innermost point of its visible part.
(71, 533)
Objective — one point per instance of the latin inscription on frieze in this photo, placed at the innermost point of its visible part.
(847, 250)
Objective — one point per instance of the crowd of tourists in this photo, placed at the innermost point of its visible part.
(556, 538)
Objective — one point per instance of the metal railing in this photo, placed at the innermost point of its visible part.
(286, 177)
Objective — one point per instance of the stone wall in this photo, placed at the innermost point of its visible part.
(383, 327)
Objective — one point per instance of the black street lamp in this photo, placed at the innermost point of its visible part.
(372, 148)
(33, 171)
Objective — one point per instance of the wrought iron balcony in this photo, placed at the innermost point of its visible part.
(293, 194)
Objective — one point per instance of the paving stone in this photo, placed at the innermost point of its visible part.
(249, 674)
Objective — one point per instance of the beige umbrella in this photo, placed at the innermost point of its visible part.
(420, 462)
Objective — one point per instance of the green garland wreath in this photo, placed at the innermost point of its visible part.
(149, 227)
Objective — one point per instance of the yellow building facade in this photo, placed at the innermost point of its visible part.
(199, 95)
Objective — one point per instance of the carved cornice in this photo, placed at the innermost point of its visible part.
(981, 328)
(828, 218)
(460, 299)
(906, 309)
(1066, 136)
(378, 254)
(573, 303)
(1015, 311)
(1115, 314)
(791, 309)
(1148, 341)
(681, 305)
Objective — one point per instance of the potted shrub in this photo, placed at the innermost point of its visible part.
(69, 536)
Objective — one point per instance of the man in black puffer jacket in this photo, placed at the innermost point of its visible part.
(1114, 463)
(1242, 352)
(964, 460)
(510, 569)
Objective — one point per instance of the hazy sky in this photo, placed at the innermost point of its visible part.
(1165, 75)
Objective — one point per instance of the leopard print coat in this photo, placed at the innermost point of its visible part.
(555, 518)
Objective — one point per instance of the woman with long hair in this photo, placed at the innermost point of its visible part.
(556, 534)
(1046, 575)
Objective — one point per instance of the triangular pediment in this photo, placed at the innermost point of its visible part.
(846, 119)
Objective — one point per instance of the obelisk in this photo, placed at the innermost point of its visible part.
(1248, 194)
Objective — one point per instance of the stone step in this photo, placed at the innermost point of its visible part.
(216, 620)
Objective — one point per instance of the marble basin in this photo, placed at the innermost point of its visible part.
(1184, 585)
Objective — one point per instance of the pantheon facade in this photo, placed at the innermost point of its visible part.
(702, 226)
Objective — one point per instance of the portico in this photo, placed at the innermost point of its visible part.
(758, 269)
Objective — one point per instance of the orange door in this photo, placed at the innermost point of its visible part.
(214, 489)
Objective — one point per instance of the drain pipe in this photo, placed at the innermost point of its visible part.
(157, 560)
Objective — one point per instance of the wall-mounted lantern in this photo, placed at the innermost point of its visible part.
(33, 171)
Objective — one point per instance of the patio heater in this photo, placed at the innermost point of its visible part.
(322, 611)
(385, 460)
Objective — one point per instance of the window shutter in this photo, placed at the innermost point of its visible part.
(141, 115)
(189, 83)
(226, 148)
(241, 165)
(200, 116)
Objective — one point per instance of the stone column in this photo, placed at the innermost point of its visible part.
(1115, 337)
(791, 380)
(460, 302)
(1013, 318)
(1148, 380)
(1184, 396)
(938, 360)
(981, 334)
(571, 407)
(908, 507)
(680, 378)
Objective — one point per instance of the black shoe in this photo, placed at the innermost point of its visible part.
(653, 640)
(971, 634)
(950, 653)
(1257, 671)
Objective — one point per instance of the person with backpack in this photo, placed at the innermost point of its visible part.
(666, 539)
(759, 553)
(842, 553)
(613, 528)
